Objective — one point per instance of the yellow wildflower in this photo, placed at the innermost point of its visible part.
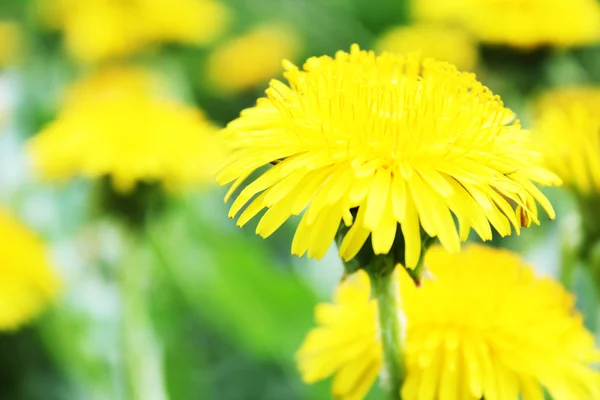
(567, 127)
(519, 23)
(481, 325)
(96, 30)
(113, 124)
(346, 343)
(251, 59)
(195, 22)
(27, 281)
(442, 43)
(377, 141)
(10, 43)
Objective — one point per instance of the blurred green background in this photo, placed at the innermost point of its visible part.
(205, 310)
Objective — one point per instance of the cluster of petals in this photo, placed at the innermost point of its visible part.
(118, 124)
(383, 144)
(28, 281)
(567, 122)
(97, 30)
(480, 325)
(523, 24)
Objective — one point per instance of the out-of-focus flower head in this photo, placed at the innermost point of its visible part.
(195, 22)
(519, 23)
(97, 30)
(383, 143)
(567, 130)
(481, 325)
(436, 41)
(10, 43)
(346, 343)
(27, 280)
(118, 124)
(253, 58)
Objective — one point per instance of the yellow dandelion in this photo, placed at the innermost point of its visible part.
(112, 125)
(519, 23)
(195, 22)
(27, 280)
(10, 43)
(436, 41)
(481, 325)
(377, 141)
(98, 30)
(567, 126)
(251, 59)
(346, 343)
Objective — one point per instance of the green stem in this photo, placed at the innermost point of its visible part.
(143, 356)
(387, 292)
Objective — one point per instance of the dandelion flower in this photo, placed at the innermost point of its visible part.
(193, 22)
(346, 343)
(436, 41)
(519, 23)
(27, 281)
(251, 59)
(113, 125)
(481, 325)
(567, 126)
(377, 141)
(98, 30)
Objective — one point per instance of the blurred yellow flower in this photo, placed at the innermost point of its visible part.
(96, 30)
(195, 22)
(567, 129)
(251, 59)
(115, 124)
(481, 325)
(27, 280)
(10, 43)
(519, 23)
(346, 343)
(442, 43)
(377, 141)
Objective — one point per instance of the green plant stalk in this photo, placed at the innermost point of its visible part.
(143, 356)
(387, 292)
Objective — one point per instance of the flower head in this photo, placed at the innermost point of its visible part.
(117, 124)
(481, 325)
(377, 141)
(251, 59)
(567, 126)
(27, 281)
(97, 30)
(436, 41)
(519, 23)
(346, 343)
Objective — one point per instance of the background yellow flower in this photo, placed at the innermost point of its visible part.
(437, 41)
(481, 325)
(381, 143)
(566, 127)
(27, 280)
(252, 58)
(117, 124)
(519, 23)
(346, 344)
(96, 30)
